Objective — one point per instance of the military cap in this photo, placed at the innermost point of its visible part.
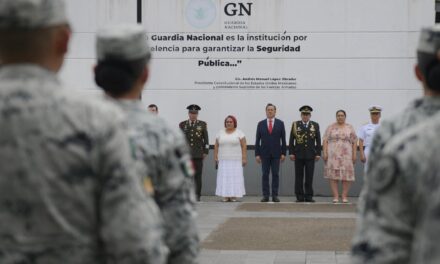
(375, 109)
(429, 40)
(193, 108)
(306, 109)
(31, 14)
(122, 42)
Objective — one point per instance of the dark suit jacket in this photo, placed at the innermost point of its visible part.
(305, 142)
(270, 145)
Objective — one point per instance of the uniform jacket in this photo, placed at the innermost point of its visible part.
(381, 237)
(270, 145)
(165, 154)
(400, 217)
(69, 192)
(197, 137)
(305, 142)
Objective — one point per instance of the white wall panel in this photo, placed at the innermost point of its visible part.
(317, 74)
(89, 15)
(86, 17)
(77, 74)
(357, 53)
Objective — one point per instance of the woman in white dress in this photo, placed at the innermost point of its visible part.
(230, 156)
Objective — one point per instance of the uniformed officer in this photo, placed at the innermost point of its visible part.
(123, 54)
(68, 189)
(366, 132)
(196, 132)
(304, 149)
(398, 209)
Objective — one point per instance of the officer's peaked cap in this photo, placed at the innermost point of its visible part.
(306, 109)
(193, 108)
(375, 109)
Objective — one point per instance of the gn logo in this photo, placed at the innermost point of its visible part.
(238, 9)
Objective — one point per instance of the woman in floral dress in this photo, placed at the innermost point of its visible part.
(339, 147)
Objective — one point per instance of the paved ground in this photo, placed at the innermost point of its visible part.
(213, 212)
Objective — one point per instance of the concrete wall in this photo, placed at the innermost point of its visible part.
(252, 175)
(392, 86)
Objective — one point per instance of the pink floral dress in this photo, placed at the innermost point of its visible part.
(339, 165)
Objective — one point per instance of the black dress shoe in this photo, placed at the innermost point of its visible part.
(275, 199)
(198, 198)
(310, 200)
(265, 200)
(299, 200)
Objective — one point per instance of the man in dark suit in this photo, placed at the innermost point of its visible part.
(270, 150)
(196, 132)
(304, 149)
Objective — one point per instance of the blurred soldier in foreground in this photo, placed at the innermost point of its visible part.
(68, 193)
(196, 133)
(399, 221)
(122, 72)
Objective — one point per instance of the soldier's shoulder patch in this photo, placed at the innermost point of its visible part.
(384, 174)
(148, 185)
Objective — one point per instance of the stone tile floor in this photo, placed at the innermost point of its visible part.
(212, 212)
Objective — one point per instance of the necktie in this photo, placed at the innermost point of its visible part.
(270, 126)
(192, 123)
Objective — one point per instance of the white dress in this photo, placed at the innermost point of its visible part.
(230, 180)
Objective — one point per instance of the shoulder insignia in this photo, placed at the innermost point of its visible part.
(383, 176)
(148, 185)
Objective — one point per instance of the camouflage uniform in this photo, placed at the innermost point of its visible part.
(68, 193)
(68, 189)
(384, 228)
(401, 218)
(157, 147)
(418, 111)
(166, 154)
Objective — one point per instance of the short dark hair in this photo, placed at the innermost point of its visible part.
(153, 105)
(341, 111)
(117, 77)
(269, 104)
